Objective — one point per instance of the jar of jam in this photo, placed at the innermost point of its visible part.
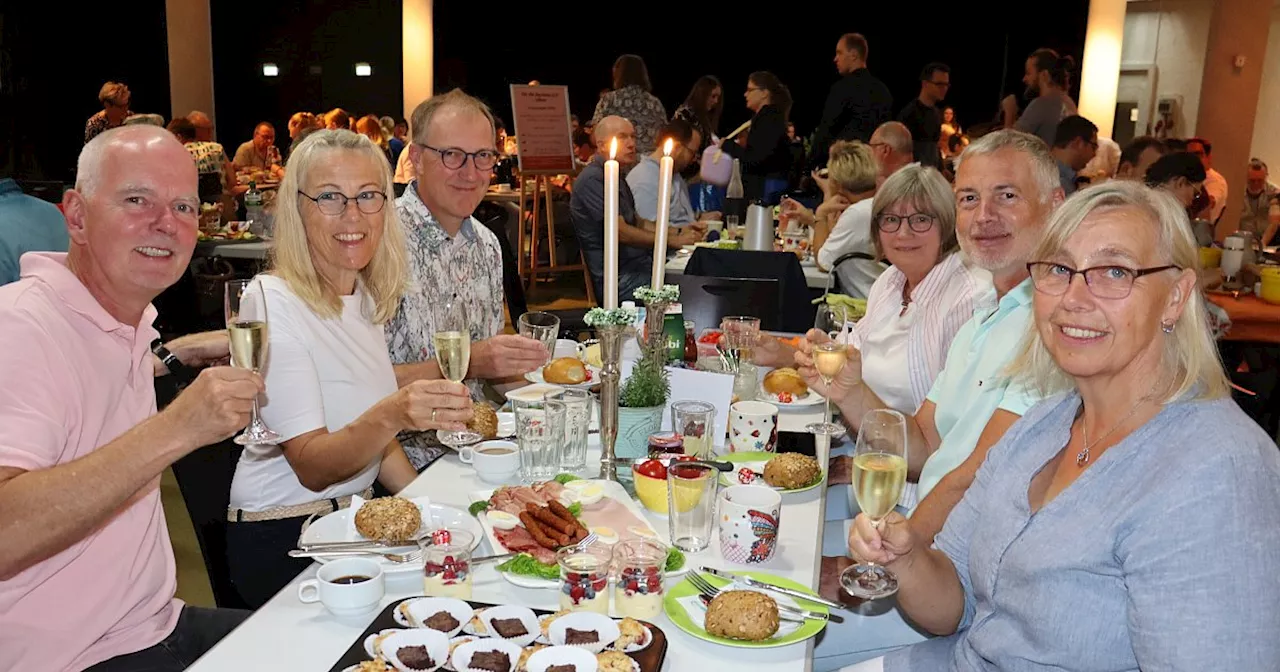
(690, 343)
(665, 442)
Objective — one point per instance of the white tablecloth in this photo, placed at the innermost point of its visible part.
(286, 634)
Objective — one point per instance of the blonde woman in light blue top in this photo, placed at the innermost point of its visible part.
(1127, 522)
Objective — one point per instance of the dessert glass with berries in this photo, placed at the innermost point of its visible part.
(446, 563)
(641, 566)
(584, 577)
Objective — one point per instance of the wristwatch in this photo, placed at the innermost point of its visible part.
(171, 361)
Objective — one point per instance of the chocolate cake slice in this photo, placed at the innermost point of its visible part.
(493, 661)
(563, 668)
(572, 636)
(415, 657)
(442, 621)
(509, 627)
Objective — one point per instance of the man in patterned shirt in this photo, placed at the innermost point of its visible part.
(114, 97)
(451, 254)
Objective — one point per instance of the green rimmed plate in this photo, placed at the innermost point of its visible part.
(756, 462)
(809, 628)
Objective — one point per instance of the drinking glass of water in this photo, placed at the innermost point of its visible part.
(577, 418)
(245, 307)
(691, 505)
(540, 434)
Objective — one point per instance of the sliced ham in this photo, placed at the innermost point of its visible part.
(517, 539)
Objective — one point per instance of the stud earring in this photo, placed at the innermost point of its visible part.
(1167, 326)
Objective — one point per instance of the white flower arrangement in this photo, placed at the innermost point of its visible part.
(667, 294)
(616, 317)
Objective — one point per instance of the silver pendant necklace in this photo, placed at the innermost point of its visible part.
(1082, 457)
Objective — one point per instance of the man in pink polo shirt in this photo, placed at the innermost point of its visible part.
(86, 570)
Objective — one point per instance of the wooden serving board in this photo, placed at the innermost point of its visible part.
(650, 658)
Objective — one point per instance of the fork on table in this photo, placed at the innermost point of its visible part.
(708, 592)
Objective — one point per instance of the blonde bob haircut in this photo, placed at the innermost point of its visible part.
(852, 166)
(1190, 366)
(926, 190)
(383, 279)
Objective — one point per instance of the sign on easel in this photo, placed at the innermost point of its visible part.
(541, 115)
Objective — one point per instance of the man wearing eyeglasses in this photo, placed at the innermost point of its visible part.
(921, 116)
(1075, 143)
(451, 254)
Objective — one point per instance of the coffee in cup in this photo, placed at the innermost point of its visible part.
(496, 462)
(346, 587)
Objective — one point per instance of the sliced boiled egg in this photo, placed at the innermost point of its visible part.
(585, 492)
(607, 535)
(501, 520)
(643, 531)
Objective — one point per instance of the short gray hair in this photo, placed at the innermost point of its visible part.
(896, 135)
(929, 192)
(420, 121)
(1044, 168)
(1190, 364)
(89, 165)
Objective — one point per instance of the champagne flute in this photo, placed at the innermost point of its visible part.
(829, 359)
(245, 308)
(879, 475)
(829, 319)
(452, 341)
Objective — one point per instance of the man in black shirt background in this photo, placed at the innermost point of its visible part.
(921, 116)
(856, 105)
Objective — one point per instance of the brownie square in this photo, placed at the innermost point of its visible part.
(493, 661)
(415, 657)
(572, 636)
(442, 621)
(563, 668)
(509, 627)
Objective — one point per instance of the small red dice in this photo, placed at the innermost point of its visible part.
(746, 476)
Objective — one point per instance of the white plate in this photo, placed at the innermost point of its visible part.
(531, 393)
(611, 489)
(810, 399)
(535, 377)
(333, 527)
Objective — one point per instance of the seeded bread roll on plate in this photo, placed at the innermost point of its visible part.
(389, 519)
(742, 614)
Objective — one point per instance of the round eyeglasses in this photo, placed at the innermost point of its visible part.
(335, 202)
(1104, 282)
(454, 158)
(918, 222)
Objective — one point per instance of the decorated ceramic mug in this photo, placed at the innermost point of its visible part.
(748, 523)
(753, 427)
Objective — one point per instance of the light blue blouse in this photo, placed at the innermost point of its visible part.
(1163, 555)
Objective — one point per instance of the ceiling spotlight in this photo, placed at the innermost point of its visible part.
(270, 70)
(363, 70)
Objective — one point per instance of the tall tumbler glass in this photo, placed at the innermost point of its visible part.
(540, 435)
(691, 505)
(577, 418)
(541, 327)
(696, 422)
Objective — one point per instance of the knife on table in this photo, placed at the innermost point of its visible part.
(755, 583)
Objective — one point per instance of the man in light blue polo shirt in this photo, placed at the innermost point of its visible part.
(1006, 187)
(27, 224)
(643, 179)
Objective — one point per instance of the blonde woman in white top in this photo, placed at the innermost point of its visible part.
(336, 278)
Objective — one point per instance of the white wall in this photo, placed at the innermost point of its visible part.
(1266, 128)
(1171, 35)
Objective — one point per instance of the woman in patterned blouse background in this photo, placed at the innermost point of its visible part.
(631, 99)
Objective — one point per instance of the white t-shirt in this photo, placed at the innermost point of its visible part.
(320, 374)
(852, 233)
(1216, 186)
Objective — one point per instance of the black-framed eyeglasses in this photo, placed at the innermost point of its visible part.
(454, 158)
(916, 221)
(335, 202)
(1104, 282)
(941, 84)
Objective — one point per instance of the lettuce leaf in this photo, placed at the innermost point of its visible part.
(675, 559)
(565, 478)
(477, 507)
(525, 565)
(576, 509)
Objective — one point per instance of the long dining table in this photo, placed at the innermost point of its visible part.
(286, 634)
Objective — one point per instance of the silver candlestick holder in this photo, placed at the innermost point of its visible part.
(611, 337)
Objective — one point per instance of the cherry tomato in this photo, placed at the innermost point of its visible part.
(652, 469)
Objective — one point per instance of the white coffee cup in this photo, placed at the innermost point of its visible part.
(749, 519)
(753, 427)
(714, 225)
(495, 461)
(567, 348)
(346, 587)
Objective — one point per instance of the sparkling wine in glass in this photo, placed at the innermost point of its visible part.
(245, 308)
(879, 475)
(829, 359)
(452, 341)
